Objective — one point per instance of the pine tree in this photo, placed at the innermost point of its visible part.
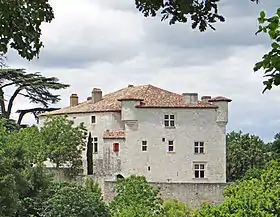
(35, 87)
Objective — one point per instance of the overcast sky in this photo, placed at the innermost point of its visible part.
(109, 44)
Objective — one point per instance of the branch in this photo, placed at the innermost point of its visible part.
(35, 111)
(6, 85)
(11, 101)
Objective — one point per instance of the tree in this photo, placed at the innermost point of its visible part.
(32, 142)
(89, 155)
(174, 208)
(64, 143)
(20, 26)
(255, 197)
(74, 200)
(21, 184)
(244, 151)
(275, 146)
(270, 61)
(35, 87)
(136, 198)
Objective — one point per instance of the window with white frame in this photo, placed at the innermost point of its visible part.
(95, 145)
(170, 145)
(169, 120)
(199, 170)
(144, 146)
(199, 147)
(93, 119)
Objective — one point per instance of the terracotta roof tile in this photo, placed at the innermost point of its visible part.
(114, 134)
(153, 97)
(219, 98)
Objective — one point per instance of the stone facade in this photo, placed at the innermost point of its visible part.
(135, 121)
(192, 194)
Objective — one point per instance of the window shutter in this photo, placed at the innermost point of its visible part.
(116, 147)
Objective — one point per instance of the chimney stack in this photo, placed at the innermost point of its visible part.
(96, 95)
(190, 98)
(205, 98)
(74, 100)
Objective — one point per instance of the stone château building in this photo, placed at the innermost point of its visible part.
(145, 130)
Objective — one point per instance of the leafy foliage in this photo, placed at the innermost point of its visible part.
(20, 183)
(136, 198)
(244, 152)
(33, 86)
(174, 208)
(64, 143)
(20, 26)
(32, 142)
(271, 60)
(202, 13)
(255, 197)
(74, 200)
(275, 146)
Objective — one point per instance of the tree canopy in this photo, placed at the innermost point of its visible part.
(64, 143)
(75, 200)
(254, 197)
(35, 87)
(20, 26)
(270, 62)
(244, 152)
(136, 198)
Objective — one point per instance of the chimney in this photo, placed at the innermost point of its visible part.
(189, 98)
(130, 85)
(74, 100)
(89, 98)
(205, 98)
(96, 95)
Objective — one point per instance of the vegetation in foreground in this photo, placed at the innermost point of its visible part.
(28, 189)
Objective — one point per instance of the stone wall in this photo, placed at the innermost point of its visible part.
(192, 194)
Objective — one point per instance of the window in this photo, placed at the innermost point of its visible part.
(144, 146)
(170, 145)
(93, 119)
(199, 147)
(95, 145)
(199, 170)
(149, 168)
(163, 139)
(116, 147)
(169, 120)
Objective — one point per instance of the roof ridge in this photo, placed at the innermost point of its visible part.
(155, 87)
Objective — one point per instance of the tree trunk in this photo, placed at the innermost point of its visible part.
(2, 103)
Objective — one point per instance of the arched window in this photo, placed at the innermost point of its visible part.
(119, 176)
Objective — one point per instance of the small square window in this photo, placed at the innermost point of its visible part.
(144, 146)
(93, 119)
(199, 170)
(169, 121)
(163, 139)
(95, 145)
(170, 145)
(199, 147)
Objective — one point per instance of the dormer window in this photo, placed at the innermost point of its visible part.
(93, 119)
(169, 120)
